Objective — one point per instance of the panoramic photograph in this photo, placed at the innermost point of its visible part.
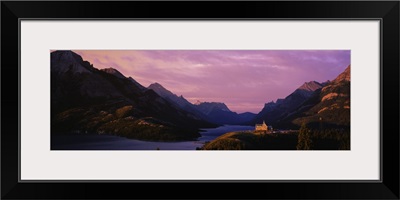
(200, 100)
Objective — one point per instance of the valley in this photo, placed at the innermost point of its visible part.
(104, 105)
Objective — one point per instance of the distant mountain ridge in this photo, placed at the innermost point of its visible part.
(219, 113)
(159, 89)
(310, 86)
(178, 101)
(209, 107)
(214, 112)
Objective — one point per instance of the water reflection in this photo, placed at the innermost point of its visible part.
(110, 142)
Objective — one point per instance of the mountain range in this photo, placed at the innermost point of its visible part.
(85, 99)
(219, 113)
(312, 103)
(329, 106)
(214, 112)
(178, 101)
(274, 111)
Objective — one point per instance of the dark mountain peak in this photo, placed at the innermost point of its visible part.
(304, 91)
(68, 61)
(156, 84)
(217, 104)
(66, 56)
(178, 101)
(219, 113)
(310, 86)
(113, 72)
(208, 107)
(164, 92)
(158, 87)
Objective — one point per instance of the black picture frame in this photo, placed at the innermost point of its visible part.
(386, 11)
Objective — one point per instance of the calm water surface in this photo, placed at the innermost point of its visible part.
(110, 142)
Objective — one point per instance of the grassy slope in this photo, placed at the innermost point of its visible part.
(119, 120)
(249, 140)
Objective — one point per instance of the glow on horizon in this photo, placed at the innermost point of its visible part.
(242, 79)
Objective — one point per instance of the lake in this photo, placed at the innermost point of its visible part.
(111, 142)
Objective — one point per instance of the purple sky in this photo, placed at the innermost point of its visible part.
(243, 79)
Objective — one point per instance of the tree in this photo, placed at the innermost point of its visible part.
(304, 141)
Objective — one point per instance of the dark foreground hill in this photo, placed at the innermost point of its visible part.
(328, 107)
(325, 105)
(275, 111)
(87, 100)
(252, 140)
